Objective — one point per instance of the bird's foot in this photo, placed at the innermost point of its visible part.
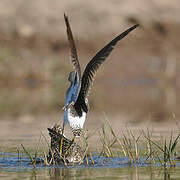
(68, 106)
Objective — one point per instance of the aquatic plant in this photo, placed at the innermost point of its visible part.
(139, 147)
(167, 150)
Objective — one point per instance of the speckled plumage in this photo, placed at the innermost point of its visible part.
(71, 152)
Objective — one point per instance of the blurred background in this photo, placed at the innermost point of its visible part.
(139, 82)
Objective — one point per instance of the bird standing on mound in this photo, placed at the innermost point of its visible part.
(76, 102)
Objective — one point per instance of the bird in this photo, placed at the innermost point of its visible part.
(76, 100)
(71, 152)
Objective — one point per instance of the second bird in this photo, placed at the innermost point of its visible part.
(76, 102)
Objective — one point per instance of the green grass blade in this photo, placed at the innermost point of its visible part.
(111, 129)
(170, 143)
(155, 144)
(174, 144)
(29, 155)
(104, 133)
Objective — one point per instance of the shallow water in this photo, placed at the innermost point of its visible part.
(12, 167)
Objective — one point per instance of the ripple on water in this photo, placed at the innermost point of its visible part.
(13, 161)
(19, 162)
(108, 168)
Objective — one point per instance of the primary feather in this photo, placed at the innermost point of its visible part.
(91, 69)
(74, 57)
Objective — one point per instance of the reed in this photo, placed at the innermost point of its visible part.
(33, 160)
(166, 150)
(131, 145)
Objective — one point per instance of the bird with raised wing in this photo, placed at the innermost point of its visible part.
(76, 101)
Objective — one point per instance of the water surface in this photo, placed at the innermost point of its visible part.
(14, 167)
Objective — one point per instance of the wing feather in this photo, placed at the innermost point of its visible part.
(73, 56)
(92, 68)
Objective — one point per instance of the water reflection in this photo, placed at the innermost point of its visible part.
(127, 173)
(60, 173)
(166, 174)
(130, 173)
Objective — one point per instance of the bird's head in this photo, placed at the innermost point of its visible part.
(72, 76)
(56, 130)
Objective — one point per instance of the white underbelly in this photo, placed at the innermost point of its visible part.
(76, 122)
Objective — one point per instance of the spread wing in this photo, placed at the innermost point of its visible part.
(73, 56)
(92, 68)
